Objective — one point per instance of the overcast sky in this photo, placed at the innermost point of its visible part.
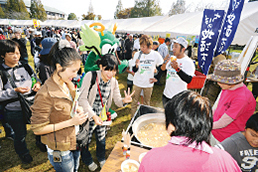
(106, 8)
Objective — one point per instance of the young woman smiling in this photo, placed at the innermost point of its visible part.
(51, 115)
(92, 98)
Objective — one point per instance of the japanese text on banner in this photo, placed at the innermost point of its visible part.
(211, 24)
(230, 25)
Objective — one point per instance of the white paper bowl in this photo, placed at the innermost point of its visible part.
(129, 161)
(141, 156)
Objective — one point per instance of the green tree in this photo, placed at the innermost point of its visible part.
(72, 16)
(124, 14)
(145, 8)
(2, 15)
(99, 17)
(16, 9)
(177, 8)
(12, 5)
(90, 16)
(119, 8)
(37, 10)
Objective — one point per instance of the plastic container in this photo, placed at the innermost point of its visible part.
(197, 81)
(161, 40)
(34, 81)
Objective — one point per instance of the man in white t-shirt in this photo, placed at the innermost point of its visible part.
(136, 44)
(144, 65)
(180, 70)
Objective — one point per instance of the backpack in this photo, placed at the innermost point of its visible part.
(93, 80)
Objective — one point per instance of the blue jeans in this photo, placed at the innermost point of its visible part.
(7, 128)
(15, 119)
(100, 151)
(70, 162)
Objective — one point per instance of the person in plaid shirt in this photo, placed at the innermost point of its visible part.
(90, 100)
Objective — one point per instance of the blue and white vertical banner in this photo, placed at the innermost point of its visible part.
(230, 26)
(211, 24)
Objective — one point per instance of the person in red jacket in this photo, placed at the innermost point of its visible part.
(2, 37)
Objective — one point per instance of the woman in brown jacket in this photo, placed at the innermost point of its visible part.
(51, 116)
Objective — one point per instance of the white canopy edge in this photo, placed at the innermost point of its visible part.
(187, 24)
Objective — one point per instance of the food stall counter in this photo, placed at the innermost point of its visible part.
(116, 157)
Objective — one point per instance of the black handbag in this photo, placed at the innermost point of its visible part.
(25, 104)
(83, 135)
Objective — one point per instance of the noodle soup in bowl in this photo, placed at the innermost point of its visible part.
(130, 165)
(150, 130)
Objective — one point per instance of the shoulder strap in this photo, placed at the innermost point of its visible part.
(140, 54)
(8, 76)
(28, 68)
(93, 79)
(3, 77)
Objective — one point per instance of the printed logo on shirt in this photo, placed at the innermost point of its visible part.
(227, 105)
(249, 160)
(146, 66)
(171, 73)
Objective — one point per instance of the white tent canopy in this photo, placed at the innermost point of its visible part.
(177, 25)
(188, 24)
(248, 23)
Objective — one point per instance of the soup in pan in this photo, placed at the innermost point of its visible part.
(153, 134)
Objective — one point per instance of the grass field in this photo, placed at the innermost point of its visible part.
(10, 162)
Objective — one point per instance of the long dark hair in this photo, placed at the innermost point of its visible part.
(191, 114)
(65, 57)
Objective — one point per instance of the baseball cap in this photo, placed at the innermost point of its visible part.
(32, 30)
(68, 34)
(181, 41)
(47, 44)
(38, 33)
(155, 43)
(17, 30)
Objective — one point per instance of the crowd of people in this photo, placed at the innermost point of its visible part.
(195, 128)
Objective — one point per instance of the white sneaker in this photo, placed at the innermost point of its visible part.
(102, 163)
(113, 115)
(92, 166)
